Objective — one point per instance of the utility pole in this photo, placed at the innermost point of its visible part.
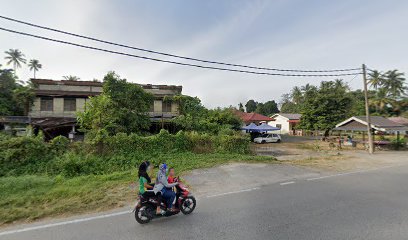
(368, 119)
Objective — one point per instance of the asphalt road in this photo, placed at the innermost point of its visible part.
(361, 205)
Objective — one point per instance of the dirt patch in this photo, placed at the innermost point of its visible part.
(315, 154)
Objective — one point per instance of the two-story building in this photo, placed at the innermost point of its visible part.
(57, 102)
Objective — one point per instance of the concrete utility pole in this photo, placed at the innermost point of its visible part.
(368, 119)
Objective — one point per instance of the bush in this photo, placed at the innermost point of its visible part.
(59, 144)
(107, 154)
(19, 155)
(397, 144)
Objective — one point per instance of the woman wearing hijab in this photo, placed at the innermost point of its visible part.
(163, 187)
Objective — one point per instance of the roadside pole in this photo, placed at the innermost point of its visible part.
(368, 119)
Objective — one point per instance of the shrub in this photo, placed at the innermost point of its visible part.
(20, 155)
(234, 144)
(59, 144)
(398, 143)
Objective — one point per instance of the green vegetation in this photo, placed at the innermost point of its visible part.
(387, 96)
(15, 98)
(195, 117)
(40, 179)
(30, 197)
(267, 108)
(121, 108)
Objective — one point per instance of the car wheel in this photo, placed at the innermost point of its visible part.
(278, 141)
(263, 141)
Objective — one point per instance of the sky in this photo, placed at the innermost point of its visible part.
(290, 34)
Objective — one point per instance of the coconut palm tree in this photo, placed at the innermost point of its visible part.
(296, 95)
(375, 79)
(395, 83)
(34, 65)
(381, 100)
(15, 57)
(71, 78)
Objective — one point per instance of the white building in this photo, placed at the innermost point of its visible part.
(286, 122)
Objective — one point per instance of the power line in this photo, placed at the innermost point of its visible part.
(173, 62)
(176, 56)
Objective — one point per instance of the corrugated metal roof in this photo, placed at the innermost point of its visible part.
(399, 120)
(291, 116)
(380, 121)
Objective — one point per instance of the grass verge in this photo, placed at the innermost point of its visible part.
(32, 197)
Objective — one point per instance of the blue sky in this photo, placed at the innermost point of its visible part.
(284, 34)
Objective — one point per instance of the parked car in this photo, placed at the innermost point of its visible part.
(268, 138)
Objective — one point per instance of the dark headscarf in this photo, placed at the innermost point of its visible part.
(143, 171)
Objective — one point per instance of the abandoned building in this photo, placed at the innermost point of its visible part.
(56, 103)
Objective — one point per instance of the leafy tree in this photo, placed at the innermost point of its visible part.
(24, 96)
(122, 107)
(268, 108)
(71, 78)
(381, 100)
(34, 65)
(15, 57)
(251, 106)
(195, 117)
(241, 107)
(290, 107)
(15, 99)
(325, 106)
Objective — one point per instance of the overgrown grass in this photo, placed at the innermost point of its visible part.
(31, 197)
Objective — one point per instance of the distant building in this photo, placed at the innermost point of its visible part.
(253, 117)
(399, 120)
(287, 122)
(56, 103)
(378, 123)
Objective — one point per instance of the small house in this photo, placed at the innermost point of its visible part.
(287, 122)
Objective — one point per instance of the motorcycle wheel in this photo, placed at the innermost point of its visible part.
(188, 205)
(143, 214)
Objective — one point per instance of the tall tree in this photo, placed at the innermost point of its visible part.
(325, 106)
(381, 100)
(375, 79)
(268, 108)
(241, 107)
(15, 57)
(15, 99)
(34, 65)
(71, 78)
(250, 106)
(394, 82)
(122, 107)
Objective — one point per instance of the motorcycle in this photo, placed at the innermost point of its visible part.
(145, 209)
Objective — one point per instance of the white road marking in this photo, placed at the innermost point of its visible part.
(62, 223)
(286, 183)
(216, 195)
(239, 191)
(349, 173)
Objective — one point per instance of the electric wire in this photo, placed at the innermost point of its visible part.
(173, 62)
(176, 56)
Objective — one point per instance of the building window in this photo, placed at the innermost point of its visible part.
(279, 126)
(47, 104)
(151, 109)
(69, 104)
(166, 106)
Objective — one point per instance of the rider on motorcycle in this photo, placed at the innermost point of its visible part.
(162, 186)
(144, 180)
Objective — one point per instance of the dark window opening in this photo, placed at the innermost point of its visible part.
(47, 104)
(166, 107)
(69, 104)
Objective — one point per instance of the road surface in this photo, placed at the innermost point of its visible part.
(361, 205)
